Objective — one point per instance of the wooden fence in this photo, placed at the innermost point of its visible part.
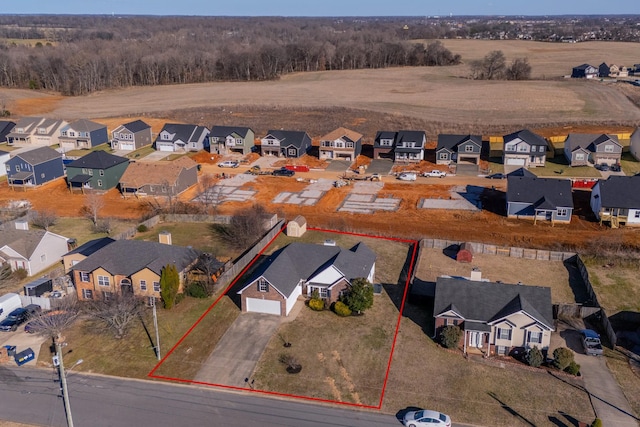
(507, 251)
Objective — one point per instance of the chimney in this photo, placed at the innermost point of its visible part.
(476, 274)
(22, 224)
(164, 237)
(329, 242)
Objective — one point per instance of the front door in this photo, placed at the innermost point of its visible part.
(476, 339)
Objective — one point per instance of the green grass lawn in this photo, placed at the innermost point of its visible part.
(495, 165)
(559, 167)
(630, 166)
(82, 230)
(141, 152)
(102, 147)
(615, 283)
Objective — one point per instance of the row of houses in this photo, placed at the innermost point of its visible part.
(588, 71)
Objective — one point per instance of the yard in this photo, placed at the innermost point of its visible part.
(615, 283)
(81, 229)
(559, 167)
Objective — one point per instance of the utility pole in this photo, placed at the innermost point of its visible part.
(155, 325)
(58, 361)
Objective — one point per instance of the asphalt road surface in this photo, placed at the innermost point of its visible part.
(31, 396)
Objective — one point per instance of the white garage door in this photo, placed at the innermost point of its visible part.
(263, 306)
(166, 148)
(124, 146)
(515, 162)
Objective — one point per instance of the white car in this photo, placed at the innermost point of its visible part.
(426, 418)
(407, 176)
(435, 174)
(228, 164)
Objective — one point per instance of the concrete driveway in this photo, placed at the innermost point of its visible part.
(236, 355)
(22, 340)
(155, 156)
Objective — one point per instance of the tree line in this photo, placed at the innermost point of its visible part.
(97, 53)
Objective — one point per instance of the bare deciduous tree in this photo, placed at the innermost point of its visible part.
(44, 219)
(94, 203)
(115, 314)
(491, 67)
(519, 69)
(54, 323)
(245, 227)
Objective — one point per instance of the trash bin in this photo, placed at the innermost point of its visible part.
(24, 356)
(11, 350)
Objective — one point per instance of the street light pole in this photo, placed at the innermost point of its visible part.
(58, 360)
(155, 325)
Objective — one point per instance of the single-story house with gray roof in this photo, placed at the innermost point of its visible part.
(535, 198)
(304, 268)
(616, 200)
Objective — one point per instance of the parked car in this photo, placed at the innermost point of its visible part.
(603, 167)
(435, 174)
(591, 342)
(16, 318)
(229, 164)
(424, 418)
(408, 176)
(615, 168)
(496, 176)
(283, 172)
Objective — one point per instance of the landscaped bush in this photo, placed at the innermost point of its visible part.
(341, 309)
(196, 290)
(360, 296)
(316, 304)
(21, 273)
(573, 368)
(534, 357)
(450, 336)
(596, 423)
(179, 298)
(562, 357)
(142, 228)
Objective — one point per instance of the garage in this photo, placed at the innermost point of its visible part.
(126, 146)
(266, 306)
(168, 148)
(515, 162)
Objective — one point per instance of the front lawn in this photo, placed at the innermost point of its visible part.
(559, 167)
(630, 166)
(615, 283)
(141, 152)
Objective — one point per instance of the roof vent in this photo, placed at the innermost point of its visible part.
(164, 237)
(329, 242)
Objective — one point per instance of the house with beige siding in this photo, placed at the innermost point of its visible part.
(341, 144)
(159, 179)
(36, 131)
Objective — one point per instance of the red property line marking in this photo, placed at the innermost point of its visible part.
(295, 396)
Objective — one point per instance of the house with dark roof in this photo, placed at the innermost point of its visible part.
(584, 71)
(82, 134)
(97, 170)
(409, 146)
(159, 179)
(582, 149)
(458, 149)
(231, 139)
(634, 144)
(132, 266)
(5, 128)
(131, 136)
(524, 149)
(616, 200)
(341, 144)
(31, 250)
(496, 318)
(546, 199)
(604, 70)
(80, 253)
(285, 143)
(181, 138)
(302, 269)
(522, 172)
(34, 167)
(37, 131)
(383, 144)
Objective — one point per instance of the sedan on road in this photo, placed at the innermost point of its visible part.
(496, 176)
(229, 164)
(426, 418)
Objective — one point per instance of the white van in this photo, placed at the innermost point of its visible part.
(8, 303)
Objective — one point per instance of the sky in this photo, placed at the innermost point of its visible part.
(322, 7)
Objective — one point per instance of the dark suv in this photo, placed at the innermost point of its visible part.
(16, 318)
(283, 172)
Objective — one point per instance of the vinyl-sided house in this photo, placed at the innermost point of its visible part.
(634, 145)
(98, 170)
(410, 146)
(132, 266)
(164, 179)
(458, 149)
(31, 250)
(181, 138)
(581, 149)
(83, 134)
(341, 144)
(495, 317)
(4, 157)
(584, 71)
(546, 199)
(131, 136)
(5, 127)
(524, 149)
(616, 200)
(34, 167)
(37, 131)
(302, 268)
(383, 144)
(285, 143)
(80, 253)
(231, 139)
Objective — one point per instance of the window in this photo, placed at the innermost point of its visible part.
(444, 156)
(562, 212)
(580, 156)
(84, 277)
(501, 350)
(99, 183)
(143, 285)
(166, 136)
(239, 141)
(263, 285)
(510, 147)
(107, 296)
(504, 334)
(42, 175)
(349, 144)
(63, 133)
(87, 294)
(636, 214)
(103, 280)
(17, 168)
(101, 172)
(156, 286)
(292, 151)
(90, 172)
(535, 337)
(523, 148)
(151, 301)
(448, 322)
(323, 292)
(608, 148)
(468, 148)
(43, 257)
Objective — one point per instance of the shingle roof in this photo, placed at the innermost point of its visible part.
(489, 301)
(84, 125)
(97, 160)
(91, 246)
(289, 137)
(22, 241)
(522, 172)
(587, 141)
(39, 155)
(384, 134)
(224, 131)
(27, 124)
(127, 257)
(527, 136)
(5, 128)
(139, 174)
(341, 132)
(183, 132)
(136, 126)
(546, 193)
(451, 141)
(620, 192)
(411, 135)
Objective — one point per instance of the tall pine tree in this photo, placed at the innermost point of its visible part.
(169, 285)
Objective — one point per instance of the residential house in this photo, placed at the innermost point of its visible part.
(285, 143)
(616, 200)
(5, 128)
(4, 157)
(496, 318)
(231, 139)
(83, 251)
(31, 250)
(131, 136)
(634, 144)
(164, 179)
(341, 144)
(522, 172)
(83, 134)
(587, 149)
(524, 149)
(548, 199)
(604, 70)
(410, 146)
(458, 149)
(618, 71)
(181, 138)
(38, 131)
(301, 269)
(97, 170)
(129, 266)
(383, 144)
(34, 167)
(584, 71)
